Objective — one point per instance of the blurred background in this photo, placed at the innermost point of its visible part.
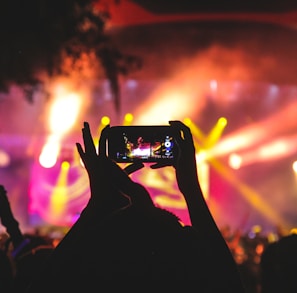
(228, 71)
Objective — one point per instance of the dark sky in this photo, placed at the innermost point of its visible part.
(190, 6)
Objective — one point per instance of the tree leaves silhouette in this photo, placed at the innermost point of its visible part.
(37, 36)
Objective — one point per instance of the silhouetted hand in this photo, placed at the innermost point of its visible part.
(8, 220)
(5, 211)
(108, 182)
(99, 168)
(185, 162)
(185, 165)
(6, 214)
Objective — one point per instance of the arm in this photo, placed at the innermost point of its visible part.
(221, 261)
(109, 186)
(188, 183)
(9, 222)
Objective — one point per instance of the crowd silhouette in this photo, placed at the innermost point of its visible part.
(22, 254)
(279, 266)
(122, 240)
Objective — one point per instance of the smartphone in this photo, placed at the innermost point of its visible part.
(126, 144)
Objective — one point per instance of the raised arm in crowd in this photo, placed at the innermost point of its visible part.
(123, 241)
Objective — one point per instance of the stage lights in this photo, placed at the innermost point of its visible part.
(128, 119)
(4, 159)
(235, 161)
(294, 166)
(60, 120)
(49, 153)
(207, 141)
(105, 120)
(216, 132)
(65, 165)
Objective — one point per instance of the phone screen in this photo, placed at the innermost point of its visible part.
(145, 143)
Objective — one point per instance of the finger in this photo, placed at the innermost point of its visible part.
(102, 141)
(177, 134)
(80, 151)
(133, 167)
(182, 132)
(180, 126)
(160, 165)
(88, 139)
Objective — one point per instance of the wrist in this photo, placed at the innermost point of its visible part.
(10, 223)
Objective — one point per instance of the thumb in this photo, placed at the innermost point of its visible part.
(160, 165)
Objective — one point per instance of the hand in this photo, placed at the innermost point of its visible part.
(5, 211)
(107, 179)
(102, 150)
(185, 165)
(137, 193)
(8, 220)
(92, 162)
(104, 193)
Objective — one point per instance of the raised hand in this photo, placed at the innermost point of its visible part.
(185, 165)
(8, 220)
(94, 163)
(5, 211)
(185, 161)
(108, 182)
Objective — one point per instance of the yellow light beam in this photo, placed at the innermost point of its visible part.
(58, 198)
(215, 133)
(248, 193)
(196, 131)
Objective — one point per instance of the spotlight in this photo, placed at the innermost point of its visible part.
(4, 159)
(294, 166)
(105, 120)
(49, 155)
(65, 165)
(128, 119)
(235, 161)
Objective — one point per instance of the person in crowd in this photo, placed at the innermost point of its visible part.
(122, 241)
(6, 273)
(24, 253)
(278, 266)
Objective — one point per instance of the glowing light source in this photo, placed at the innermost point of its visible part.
(269, 151)
(4, 159)
(201, 156)
(105, 120)
(187, 121)
(64, 112)
(213, 85)
(49, 153)
(222, 122)
(294, 166)
(65, 165)
(235, 161)
(128, 119)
